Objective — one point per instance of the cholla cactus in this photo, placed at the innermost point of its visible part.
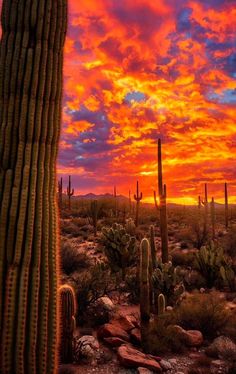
(119, 248)
(130, 226)
(228, 276)
(67, 322)
(211, 261)
(166, 280)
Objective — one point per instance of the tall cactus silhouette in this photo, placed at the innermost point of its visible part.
(163, 210)
(33, 34)
(70, 192)
(226, 207)
(137, 197)
(60, 192)
(213, 217)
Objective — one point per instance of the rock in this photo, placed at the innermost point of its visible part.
(218, 363)
(165, 365)
(144, 371)
(86, 349)
(135, 336)
(173, 361)
(114, 341)
(106, 302)
(124, 322)
(222, 347)
(111, 330)
(191, 338)
(169, 308)
(202, 290)
(132, 358)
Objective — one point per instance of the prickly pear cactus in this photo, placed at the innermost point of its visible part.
(119, 247)
(130, 226)
(31, 62)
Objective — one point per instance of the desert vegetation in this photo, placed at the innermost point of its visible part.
(154, 284)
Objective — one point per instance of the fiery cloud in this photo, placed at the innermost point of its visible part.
(138, 70)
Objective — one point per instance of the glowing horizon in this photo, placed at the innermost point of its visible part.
(138, 70)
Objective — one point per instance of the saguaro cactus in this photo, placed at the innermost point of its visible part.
(67, 322)
(93, 213)
(70, 192)
(153, 248)
(31, 51)
(213, 217)
(115, 202)
(60, 191)
(138, 197)
(226, 207)
(163, 210)
(144, 280)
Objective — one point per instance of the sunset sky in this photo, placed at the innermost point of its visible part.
(136, 70)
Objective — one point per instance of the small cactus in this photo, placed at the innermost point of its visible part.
(144, 280)
(137, 197)
(67, 325)
(70, 192)
(93, 215)
(130, 226)
(161, 304)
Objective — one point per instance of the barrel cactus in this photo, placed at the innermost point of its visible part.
(67, 322)
(31, 50)
(119, 248)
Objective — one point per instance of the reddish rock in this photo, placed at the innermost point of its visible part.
(132, 358)
(135, 336)
(114, 341)
(111, 330)
(144, 371)
(191, 338)
(124, 322)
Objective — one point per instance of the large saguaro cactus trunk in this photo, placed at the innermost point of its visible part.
(31, 57)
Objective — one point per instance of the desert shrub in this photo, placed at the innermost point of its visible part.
(119, 248)
(215, 266)
(92, 285)
(166, 279)
(183, 258)
(203, 312)
(159, 336)
(71, 259)
(132, 285)
(68, 227)
(229, 242)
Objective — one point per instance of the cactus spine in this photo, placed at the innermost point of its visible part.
(137, 197)
(226, 207)
(60, 191)
(67, 322)
(213, 217)
(30, 84)
(70, 192)
(163, 210)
